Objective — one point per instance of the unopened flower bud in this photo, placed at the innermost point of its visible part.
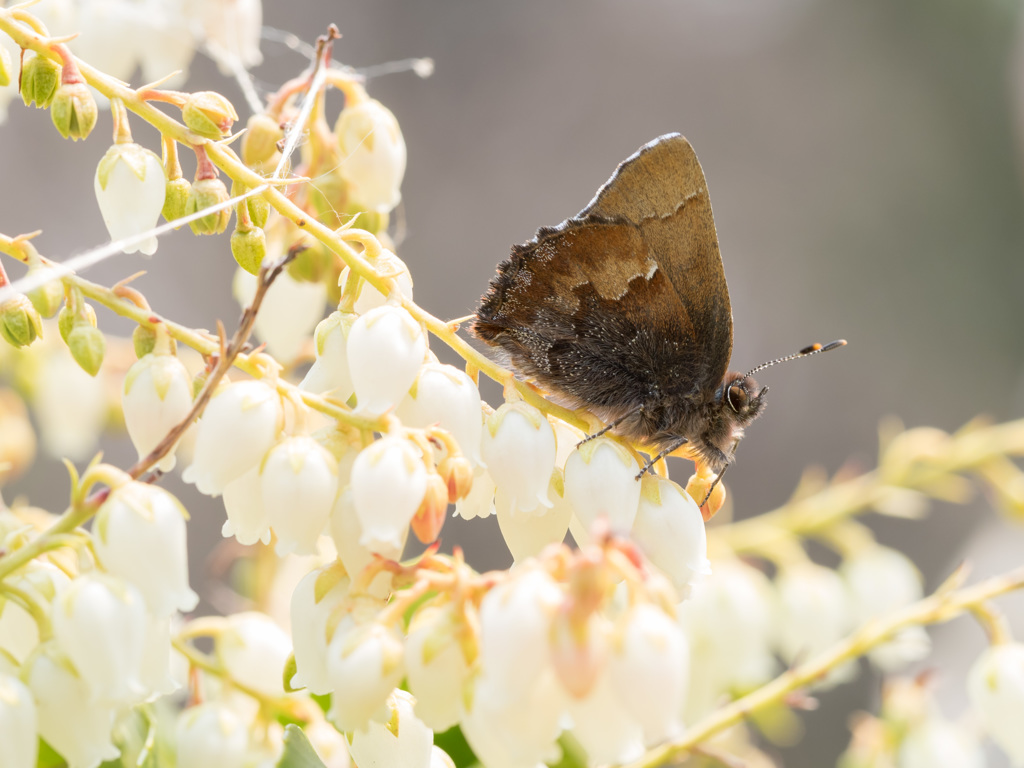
(73, 110)
(39, 79)
(130, 188)
(429, 518)
(457, 472)
(20, 323)
(46, 298)
(144, 341)
(249, 247)
(708, 494)
(373, 154)
(204, 194)
(176, 198)
(87, 345)
(67, 319)
(209, 114)
(257, 206)
(259, 143)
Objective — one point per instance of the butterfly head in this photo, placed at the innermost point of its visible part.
(744, 399)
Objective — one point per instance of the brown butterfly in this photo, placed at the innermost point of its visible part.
(624, 310)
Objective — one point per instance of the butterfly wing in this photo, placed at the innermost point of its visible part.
(624, 305)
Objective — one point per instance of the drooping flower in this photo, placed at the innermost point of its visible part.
(403, 741)
(299, 482)
(157, 395)
(436, 665)
(995, 685)
(386, 347)
(18, 720)
(130, 188)
(445, 396)
(600, 482)
(314, 601)
(527, 533)
(290, 311)
(364, 664)
(329, 373)
(373, 154)
(253, 649)
(211, 735)
(519, 449)
(388, 484)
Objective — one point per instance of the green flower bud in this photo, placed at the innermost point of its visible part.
(249, 248)
(259, 209)
(48, 297)
(39, 80)
(144, 341)
(259, 143)
(87, 346)
(5, 68)
(372, 221)
(209, 114)
(312, 264)
(176, 199)
(204, 193)
(20, 323)
(67, 319)
(73, 110)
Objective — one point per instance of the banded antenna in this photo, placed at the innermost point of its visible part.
(805, 352)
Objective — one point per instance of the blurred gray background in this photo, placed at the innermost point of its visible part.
(864, 164)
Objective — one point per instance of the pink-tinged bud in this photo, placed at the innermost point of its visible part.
(700, 485)
(209, 115)
(389, 482)
(995, 685)
(457, 473)
(130, 189)
(140, 537)
(386, 347)
(518, 448)
(670, 531)
(600, 483)
(401, 739)
(373, 154)
(299, 481)
(429, 518)
(157, 396)
(239, 426)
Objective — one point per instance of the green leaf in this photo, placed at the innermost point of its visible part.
(455, 745)
(298, 752)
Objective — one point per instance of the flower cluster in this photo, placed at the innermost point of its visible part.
(337, 436)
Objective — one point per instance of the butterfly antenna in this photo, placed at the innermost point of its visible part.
(805, 352)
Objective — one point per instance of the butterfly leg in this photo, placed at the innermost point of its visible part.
(715, 482)
(649, 466)
(610, 426)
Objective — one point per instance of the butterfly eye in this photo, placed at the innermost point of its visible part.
(738, 399)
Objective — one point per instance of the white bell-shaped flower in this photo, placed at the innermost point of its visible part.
(347, 533)
(995, 685)
(299, 480)
(436, 666)
(670, 530)
(649, 671)
(232, 30)
(936, 743)
(19, 633)
(155, 671)
(254, 650)
(330, 745)
(166, 44)
(314, 600)
(440, 759)
(18, 724)
(728, 622)
(329, 374)
(881, 580)
(157, 395)
(604, 726)
(290, 311)
(518, 447)
(567, 437)
(365, 663)
(600, 482)
(240, 425)
(527, 533)
(446, 396)
(211, 735)
(247, 518)
(130, 188)
(372, 154)
(403, 741)
(813, 612)
(109, 35)
(99, 623)
(388, 484)
(71, 406)
(479, 502)
(387, 264)
(70, 721)
(140, 537)
(385, 350)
